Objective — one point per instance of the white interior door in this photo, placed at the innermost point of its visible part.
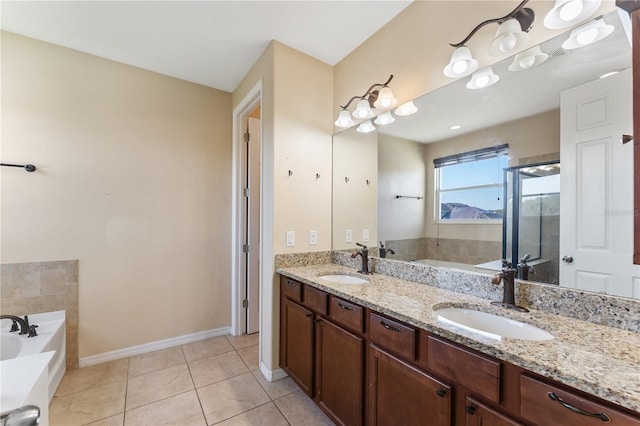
(253, 226)
(596, 197)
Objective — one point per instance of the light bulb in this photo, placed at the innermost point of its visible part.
(363, 110)
(459, 67)
(527, 61)
(482, 81)
(366, 127)
(571, 10)
(587, 36)
(508, 42)
(344, 119)
(385, 118)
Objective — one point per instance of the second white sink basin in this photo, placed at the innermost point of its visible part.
(493, 326)
(343, 279)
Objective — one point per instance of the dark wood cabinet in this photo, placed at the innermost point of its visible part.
(296, 344)
(339, 373)
(479, 414)
(400, 394)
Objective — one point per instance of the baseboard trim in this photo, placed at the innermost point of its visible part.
(152, 346)
(272, 375)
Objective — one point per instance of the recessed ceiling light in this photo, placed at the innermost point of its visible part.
(609, 74)
(455, 127)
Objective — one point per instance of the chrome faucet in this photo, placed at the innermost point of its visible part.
(507, 276)
(384, 250)
(364, 255)
(24, 325)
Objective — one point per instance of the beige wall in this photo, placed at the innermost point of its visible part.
(527, 137)
(414, 46)
(133, 180)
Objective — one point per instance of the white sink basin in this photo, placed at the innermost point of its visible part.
(489, 325)
(343, 279)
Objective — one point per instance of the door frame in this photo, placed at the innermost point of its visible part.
(252, 100)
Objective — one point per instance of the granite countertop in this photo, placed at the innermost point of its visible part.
(597, 359)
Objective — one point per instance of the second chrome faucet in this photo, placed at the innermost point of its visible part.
(507, 276)
(364, 255)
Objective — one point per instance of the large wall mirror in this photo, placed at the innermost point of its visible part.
(530, 167)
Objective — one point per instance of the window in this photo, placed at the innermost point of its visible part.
(470, 186)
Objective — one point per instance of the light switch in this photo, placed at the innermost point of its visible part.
(291, 238)
(365, 235)
(313, 238)
(348, 237)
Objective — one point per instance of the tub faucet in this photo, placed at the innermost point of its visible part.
(24, 325)
(364, 255)
(507, 276)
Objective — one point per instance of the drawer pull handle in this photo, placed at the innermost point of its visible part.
(441, 393)
(345, 307)
(389, 327)
(602, 416)
(290, 284)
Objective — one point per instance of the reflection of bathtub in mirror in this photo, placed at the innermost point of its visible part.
(445, 264)
(541, 266)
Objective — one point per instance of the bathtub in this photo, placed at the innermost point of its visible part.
(32, 368)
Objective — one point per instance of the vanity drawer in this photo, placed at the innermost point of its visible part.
(475, 372)
(291, 289)
(346, 314)
(315, 299)
(393, 335)
(545, 404)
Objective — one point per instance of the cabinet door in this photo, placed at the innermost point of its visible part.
(478, 414)
(339, 374)
(400, 394)
(296, 333)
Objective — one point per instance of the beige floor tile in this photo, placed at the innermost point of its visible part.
(88, 406)
(299, 409)
(152, 387)
(216, 368)
(117, 420)
(250, 356)
(81, 379)
(206, 348)
(243, 340)
(265, 415)
(226, 399)
(276, 389)
(179, 410)
(154, 361)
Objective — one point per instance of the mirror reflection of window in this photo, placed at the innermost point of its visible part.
(470, 185)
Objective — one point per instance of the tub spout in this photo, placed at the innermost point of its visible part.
(24, 326)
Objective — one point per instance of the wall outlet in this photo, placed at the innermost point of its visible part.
(348, 236)
(365, 235)
(291, 238)
(313, 238)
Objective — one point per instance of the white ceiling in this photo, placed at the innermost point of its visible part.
(213, 43)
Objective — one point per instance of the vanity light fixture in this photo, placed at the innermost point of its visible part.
(511, 33)
(483, 78)
(366, 127)
(588, 33)
(379, 95)
(406, 109)
(385, 118)
(528, 59)
(566, 13)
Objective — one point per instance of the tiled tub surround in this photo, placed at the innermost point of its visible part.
(597, 359)
(37, 287)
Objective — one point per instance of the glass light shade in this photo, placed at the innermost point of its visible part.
(508, 37)
(587, 34)
(528, 59)
(344, 119)
(483, 78)
(385, 99)
(566, 13)
(385, 118)
(363, 110)
(461, 63)
(366, 127)
(406, 109)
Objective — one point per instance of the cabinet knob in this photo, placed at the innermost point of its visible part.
(441, 393)
(470, 409)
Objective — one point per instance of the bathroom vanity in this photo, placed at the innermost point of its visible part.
(377, 353)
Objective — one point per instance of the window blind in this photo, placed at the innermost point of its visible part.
(466, 157)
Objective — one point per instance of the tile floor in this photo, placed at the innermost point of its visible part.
(214, 381)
